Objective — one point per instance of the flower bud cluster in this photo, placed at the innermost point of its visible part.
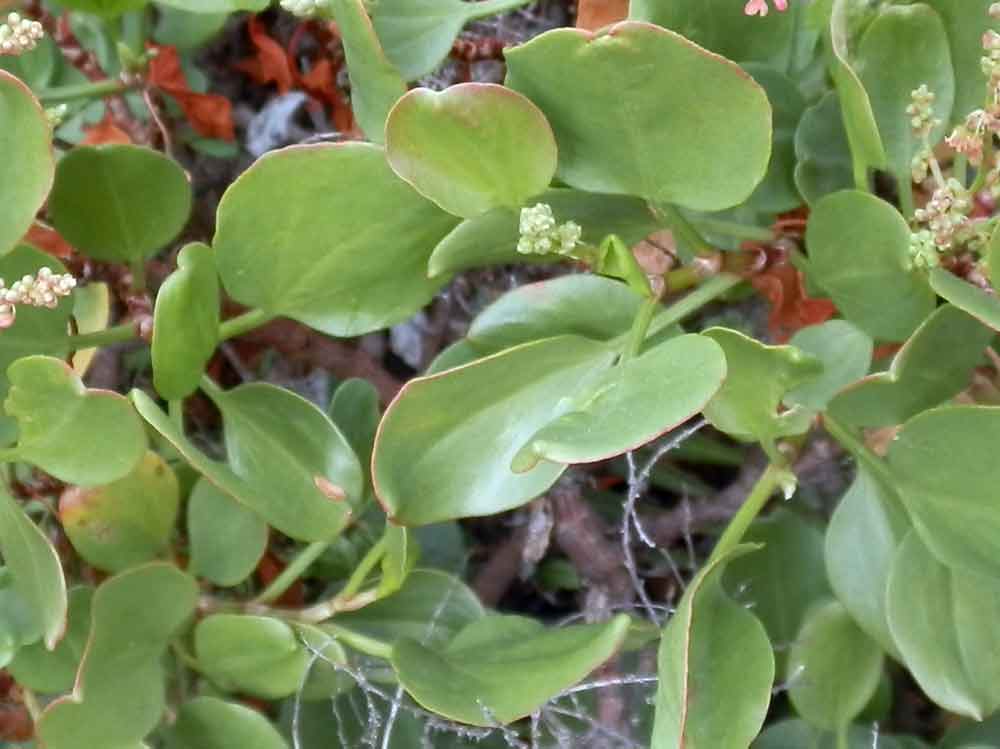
(968, 137)
(44, 289)
(924, 252)
(19, 35)
(541, 235)
(946, 214)
(922, 122)
(305, 8)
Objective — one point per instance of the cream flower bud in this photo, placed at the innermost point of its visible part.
(305, 8)
(19, 35)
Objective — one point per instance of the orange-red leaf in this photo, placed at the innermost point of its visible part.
(210, 115)
(791, 307)
(271, 63)
(595, 14)
(48, 240)
(104, 132)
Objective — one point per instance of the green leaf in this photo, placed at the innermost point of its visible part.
(80, 436)
(867, 151)
(934, 365)
(401, 554)
(52, 671)
(356, 412)
(105, 7)
(781, 581)
(867, 527)
(707, 698)
(944, 622)
(124, 523)
(36, 571)
(344, 272)
(226, 538)
(211, 723)
(491, 239)
(418, 34)
(35, 331)
(258, 655)
(833, 668)
(376, 84)
(903, 48)
(711, 143)
(92, 313)
(776, 39)
(822, 152)
(427, 597)
(947, 474)
(119, 203)
(625, 408)
(502, 668)
(215, 6)
(797, 734)
(472, 147)
(969, 734)
(27, 168)
(758, 377)
(485, 411)
(982, 305)
(846, 354)
(859, 253)
(119, 696)
(186, 323)
(307, 516)
(287, 448)
(585, 305)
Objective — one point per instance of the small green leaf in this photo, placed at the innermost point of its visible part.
(355, 410)
(833, 668)
(579, 304)
(781, 581)
(944, 622)
(624, 408)
(867, 527)
(859, 253)
(822, 152)
(945, 465)
(81, 436)
(258, 655)
(797, 734)
(211, 723)
(491, 239)
(472, 147)
(344, 272)
(28, 166)
(119, 203)
(867, 151)
(124, 523)
(711, 143)
(52, 671)
(186, 323)
(36, 571)
(92, 312)
(426, 596)
(758, 377)
(935, 364)
(707, 698)
(502, 668)
(119, 696)
(904, 47)
(418, 34)
(846, 354)
(376, 84)
(982, 305)
(226, 538)
(287, 448)
(486, 411)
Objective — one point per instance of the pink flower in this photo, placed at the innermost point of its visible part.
(761, 8)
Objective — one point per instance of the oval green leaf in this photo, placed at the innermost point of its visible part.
(211, 723)
(982, 305)
(52, 671)
(711, 142)
(226, 538)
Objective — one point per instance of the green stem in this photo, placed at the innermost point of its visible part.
(766, 485)
(298, 567)
(30, 702)
(108, 337)
(906, 203)
(983, 169)
(961, 168)
(859, 450)
(842, 742)
(175, 410)
(360, 642)
(709, 291)
(244, 323)
(735, 230)
(684, 230)
(361, 572)
(96, 90)
(349, 597)
(210, 388)
(492, 7)
(640, 327)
